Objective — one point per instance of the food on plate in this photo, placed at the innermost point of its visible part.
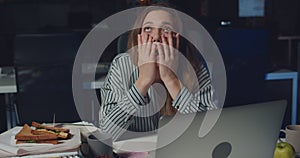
(42, 134)
(42, 129)
(26, 136)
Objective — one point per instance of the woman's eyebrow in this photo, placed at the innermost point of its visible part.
(162, 24)
(147, 23)
(167, 23)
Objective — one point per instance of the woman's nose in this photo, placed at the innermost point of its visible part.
(156, 35)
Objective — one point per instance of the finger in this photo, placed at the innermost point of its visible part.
(144, 38)
(139, 39)
(177, 41)
(152, 53)
(144, 43)
(161, 55)
(170, 41)
(139, 43)
(165, 48)
(171, 46)
(148, 46)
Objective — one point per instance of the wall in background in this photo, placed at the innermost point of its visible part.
(32, 16)
(2, 114)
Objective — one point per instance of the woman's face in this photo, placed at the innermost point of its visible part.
(157, 23)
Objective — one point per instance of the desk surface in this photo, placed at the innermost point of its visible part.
(134, 142)
(289, 38)
(8, 83)
(281, 75)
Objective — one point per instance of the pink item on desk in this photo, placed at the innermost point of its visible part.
(133, 155)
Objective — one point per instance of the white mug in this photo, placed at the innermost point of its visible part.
(292, 135)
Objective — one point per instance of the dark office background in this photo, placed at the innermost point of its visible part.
(79, 16)
(56, 16)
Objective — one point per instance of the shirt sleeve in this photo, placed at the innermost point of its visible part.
(201, 100)
(118, 103)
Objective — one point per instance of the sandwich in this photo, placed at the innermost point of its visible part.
(26, 136)
(62, 133)
(42, 134)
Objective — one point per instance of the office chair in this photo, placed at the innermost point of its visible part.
(244, 52)
(122, 42)
(43, 64)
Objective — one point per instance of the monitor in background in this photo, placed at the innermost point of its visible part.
(53, 16)
(44, 64)
(244, 53)
(251, 8)
(38, 16)
(6, 55)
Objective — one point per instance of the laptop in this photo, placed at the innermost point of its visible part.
(246, 131)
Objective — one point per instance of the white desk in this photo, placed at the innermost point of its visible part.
(8, 87)
(285, 75)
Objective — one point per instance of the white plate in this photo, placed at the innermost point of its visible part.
(13, 141)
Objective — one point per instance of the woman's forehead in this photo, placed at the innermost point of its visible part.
(159, 17)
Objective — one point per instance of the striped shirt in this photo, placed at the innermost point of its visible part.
(124, 108)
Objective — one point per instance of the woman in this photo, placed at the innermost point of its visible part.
(131, 99)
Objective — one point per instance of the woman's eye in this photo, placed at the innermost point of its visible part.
(167, 30)
(147, 29)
